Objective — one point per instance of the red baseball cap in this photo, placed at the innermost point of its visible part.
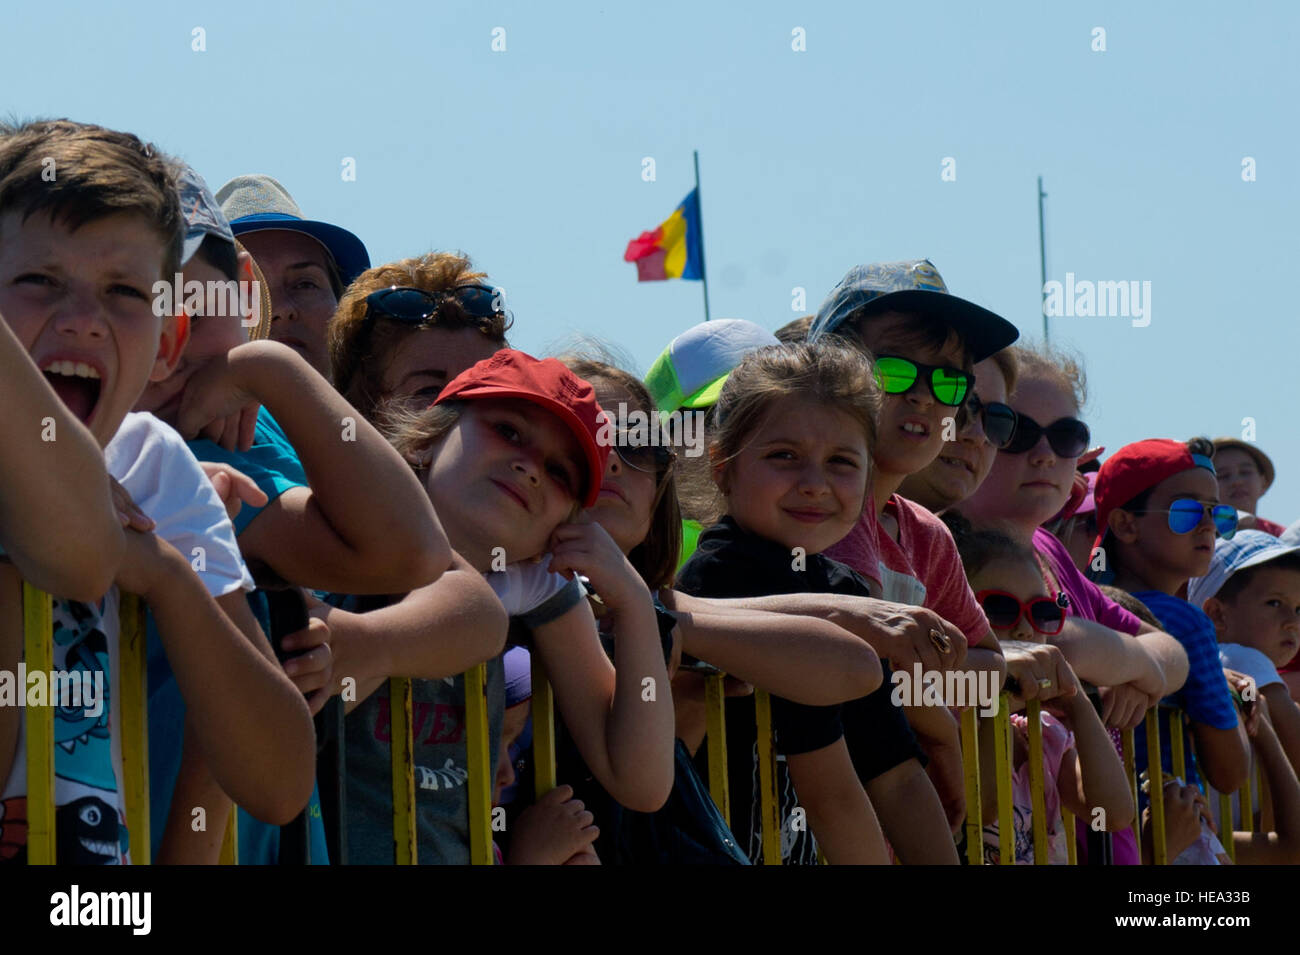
(548, 384)
(1136, 467)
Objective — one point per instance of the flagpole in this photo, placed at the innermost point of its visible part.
(704, 273)
(1042, 257)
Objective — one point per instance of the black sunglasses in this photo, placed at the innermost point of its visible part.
(649, 458)
(997, 420)
(412, 306)
(1068, 437)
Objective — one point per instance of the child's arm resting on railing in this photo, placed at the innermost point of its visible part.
(251, 723)
(1092, 776)
(621, 716)
(802, 659)
(436, 631)
(1282, 845)
(365, 525)
(839, 812)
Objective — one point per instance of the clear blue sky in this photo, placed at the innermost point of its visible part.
(530, 160)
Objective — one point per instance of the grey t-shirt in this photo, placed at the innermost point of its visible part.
(529, 593)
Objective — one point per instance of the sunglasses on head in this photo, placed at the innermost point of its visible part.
(413, 306)
(997, 420)
(897, 376)
(648, 458)
(1004, 610)
(1067, 437)
(1185, 515)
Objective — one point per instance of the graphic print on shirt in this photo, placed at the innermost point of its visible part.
(89, 825)
(797, 847)
(445, 723)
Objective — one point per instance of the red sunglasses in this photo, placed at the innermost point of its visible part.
(1004, 610)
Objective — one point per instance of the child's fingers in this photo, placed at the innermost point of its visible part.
(309, 666)
(560, 794)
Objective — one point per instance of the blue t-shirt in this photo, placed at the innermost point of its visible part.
(1205, 697)
(273, 464)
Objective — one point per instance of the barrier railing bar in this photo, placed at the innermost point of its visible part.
(769, 809)
(134, 694)
(715, 708)
(478, 764)
(970, 754)
(402, 745)
(1156, 789)
(230, 840)
(543, 712)
(1002, 762)
(38, 654)
(1038, 800)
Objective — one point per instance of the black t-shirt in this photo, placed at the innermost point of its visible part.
(731, 562)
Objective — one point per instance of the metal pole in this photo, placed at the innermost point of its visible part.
(1042, 258)
(704, 273)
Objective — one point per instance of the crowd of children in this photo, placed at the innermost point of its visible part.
(327, 475)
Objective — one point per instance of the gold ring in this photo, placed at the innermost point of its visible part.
(940, 641)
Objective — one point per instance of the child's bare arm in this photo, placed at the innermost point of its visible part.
(195, 789)
(801, 659)
(839, 812)
(1223, 755)
(1169, 655)
(552, 831)
(1282, 845)
(57, 520)
(897, 632)
(621, 717)
(251, 723)
(365, 525)
(436, 631)
(1092, 776)
(1285, 716)
(909, 810)
(1105, 657)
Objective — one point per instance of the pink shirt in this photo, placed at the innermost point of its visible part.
(1086, 600)
(921, 568)
(1057, 741)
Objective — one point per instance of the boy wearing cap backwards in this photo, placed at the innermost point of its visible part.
(924, 342)
(307, 263)
(79, 258)
(1252, 596)
(322, 533)
(1158, 512)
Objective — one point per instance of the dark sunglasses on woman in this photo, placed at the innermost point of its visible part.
(1004, 610)
(1068, 437)
(997, 420)
(413, 306)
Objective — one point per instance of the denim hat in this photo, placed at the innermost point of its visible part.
(693, 368)
(259, 204)
(203, 216)
(1247, 549)
(914, 286)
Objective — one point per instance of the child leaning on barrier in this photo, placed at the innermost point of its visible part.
(508, 454)
(800, 658)
(1158, 515)
(1081, 770)
(791, 455)
(79, 257)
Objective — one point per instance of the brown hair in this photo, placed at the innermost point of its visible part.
(827, 373)
(361, 348)
(922, 331)
(78, 173)
(655, 557)
(1046, 363)
(1009, 365)
(792, 333)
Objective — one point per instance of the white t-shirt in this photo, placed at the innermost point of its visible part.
(1254, 664)
(525, 586)
(165, 480)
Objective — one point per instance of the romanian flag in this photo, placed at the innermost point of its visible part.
(675, 250)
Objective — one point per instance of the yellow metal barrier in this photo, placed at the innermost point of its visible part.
(230, 841)
(402, 746)
(133, 692)
(479, 766)
(1034, 716)
(1226, 826)
(38, 654)
(543, 711)
(715, 708)
(970, 752)
(1129, 747)
(1156, 789)
(1177, 759)
(769, 809)
(1002, 760)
